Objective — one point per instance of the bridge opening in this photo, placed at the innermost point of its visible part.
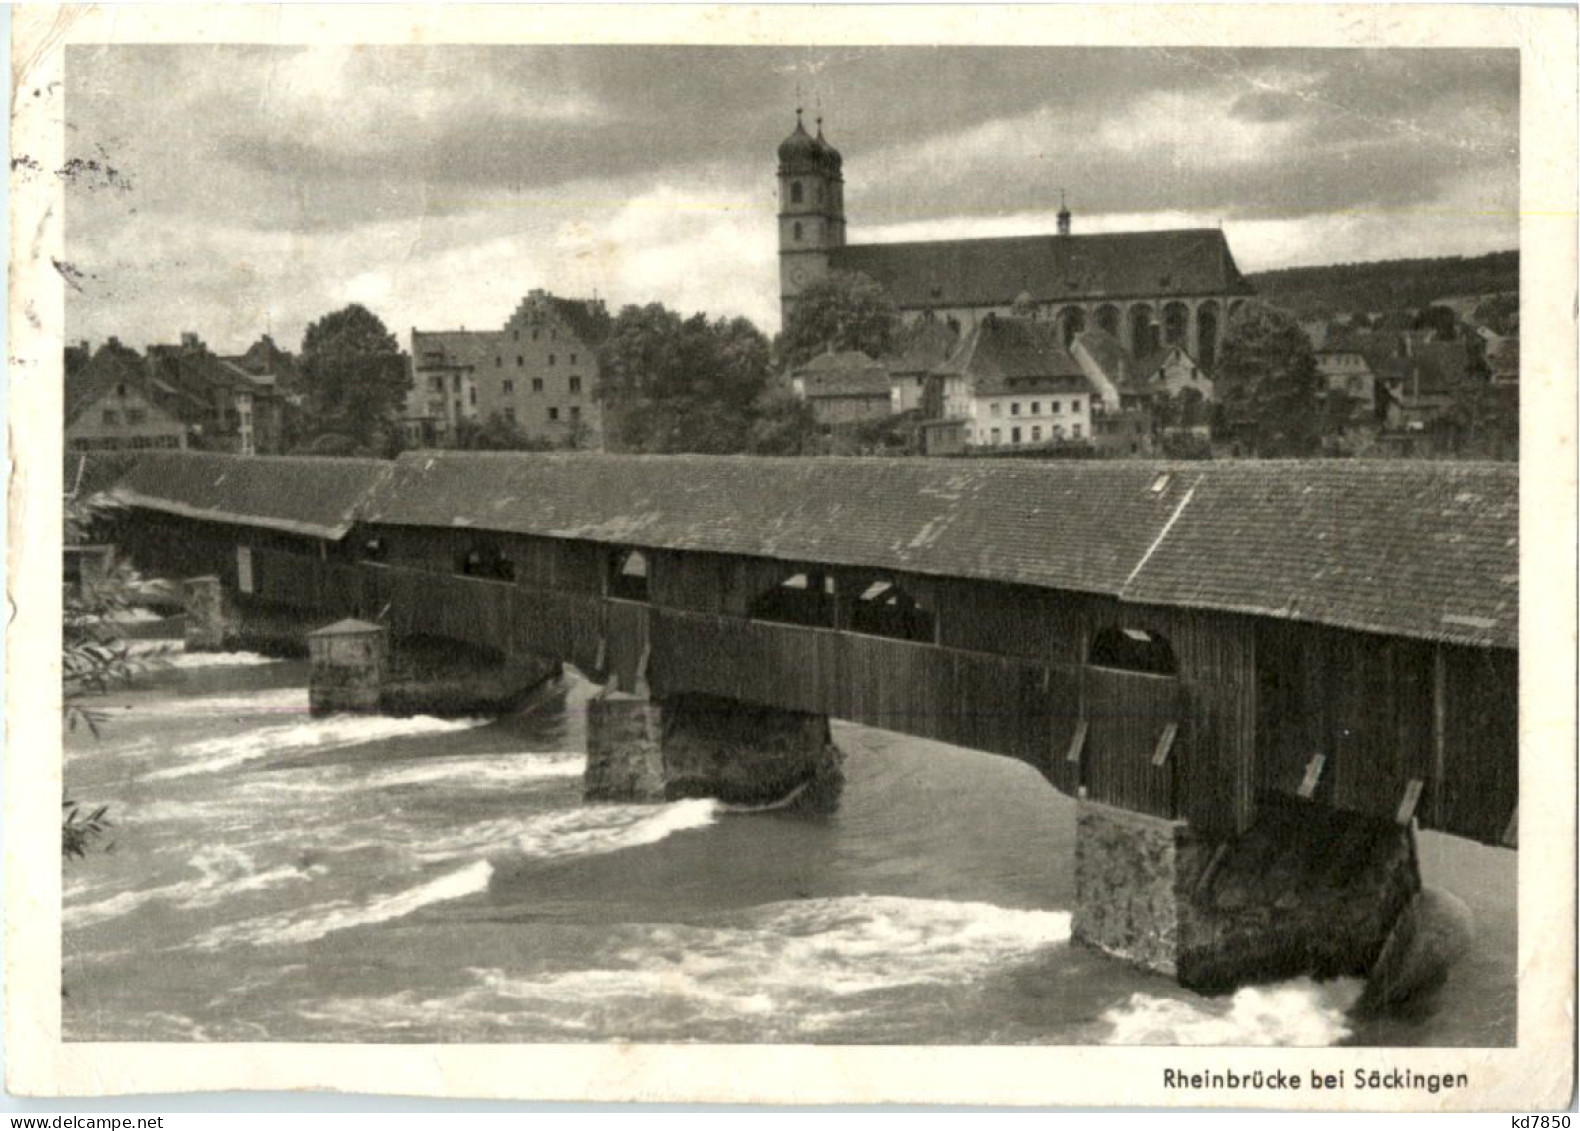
(486, 561)
(805, 598)
(1132, 650)
(884, 609)
(628, 575)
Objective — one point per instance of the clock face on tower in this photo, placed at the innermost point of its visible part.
(798, 275)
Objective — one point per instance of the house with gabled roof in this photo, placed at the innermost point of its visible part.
(112, 404)
(1012, 383)
(843, 389)
(538, 372)
(226, 407)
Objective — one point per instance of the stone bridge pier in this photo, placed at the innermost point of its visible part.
(641, 748)
(1306, 891)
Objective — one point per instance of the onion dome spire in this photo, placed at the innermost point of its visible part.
(799, 153)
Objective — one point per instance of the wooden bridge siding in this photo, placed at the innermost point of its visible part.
(1215, 751)
(1481, 773)
(543, 563)
(1015, 620)
(182, 547)
(1126, 714)
(699, 583)
(1001, 705)
(1362, 701)
(1367, 702)
(626, 625)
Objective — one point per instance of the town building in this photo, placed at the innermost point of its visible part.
(112, 404)
(1398, 380)
(228, 409)
(1111, 370)
(844, 388)
(925, 347)
(539, 372)
(1345, 372)
(1171, 370)
(1012, 383)
(1503, 360)
(1145, 288)
(265, 359)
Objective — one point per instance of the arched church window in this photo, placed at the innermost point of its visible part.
(795, 192)
(796, 231)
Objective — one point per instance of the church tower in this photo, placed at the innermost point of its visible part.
(811, 210)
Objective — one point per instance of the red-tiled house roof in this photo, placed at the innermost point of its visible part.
(993, 272)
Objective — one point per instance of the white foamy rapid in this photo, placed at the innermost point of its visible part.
(167, 653)
(315, 922)
(791, 968)
(1295, 1013)
(223, 872)
(330, 733)
(576, 832)
(478, 772)
(134, 616)
(271, 701)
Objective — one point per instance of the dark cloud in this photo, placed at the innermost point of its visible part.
(297, 162)
(459, 118)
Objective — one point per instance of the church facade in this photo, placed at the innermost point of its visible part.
(1148, 289)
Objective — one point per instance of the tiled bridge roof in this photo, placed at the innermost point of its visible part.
(1420, 549)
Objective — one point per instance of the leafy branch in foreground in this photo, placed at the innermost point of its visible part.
(95, 655)
(78, 830)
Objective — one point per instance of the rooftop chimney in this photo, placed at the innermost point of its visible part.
(1064, 216)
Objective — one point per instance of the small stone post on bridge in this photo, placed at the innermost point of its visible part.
(349, 661)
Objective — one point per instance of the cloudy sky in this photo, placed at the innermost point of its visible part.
(264, 187)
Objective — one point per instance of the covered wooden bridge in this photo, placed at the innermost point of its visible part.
(1175, 639)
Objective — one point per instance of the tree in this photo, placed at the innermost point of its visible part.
(356, 378)
(673, 384)
(1186, 408)
(784, 426)
(841, 311)
(1267, 382)
(497, 434)
(1500, 314)
(1441, 320)
(1484, 419)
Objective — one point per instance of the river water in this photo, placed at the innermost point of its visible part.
(281, 878)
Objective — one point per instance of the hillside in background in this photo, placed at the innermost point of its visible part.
(1312, 293)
